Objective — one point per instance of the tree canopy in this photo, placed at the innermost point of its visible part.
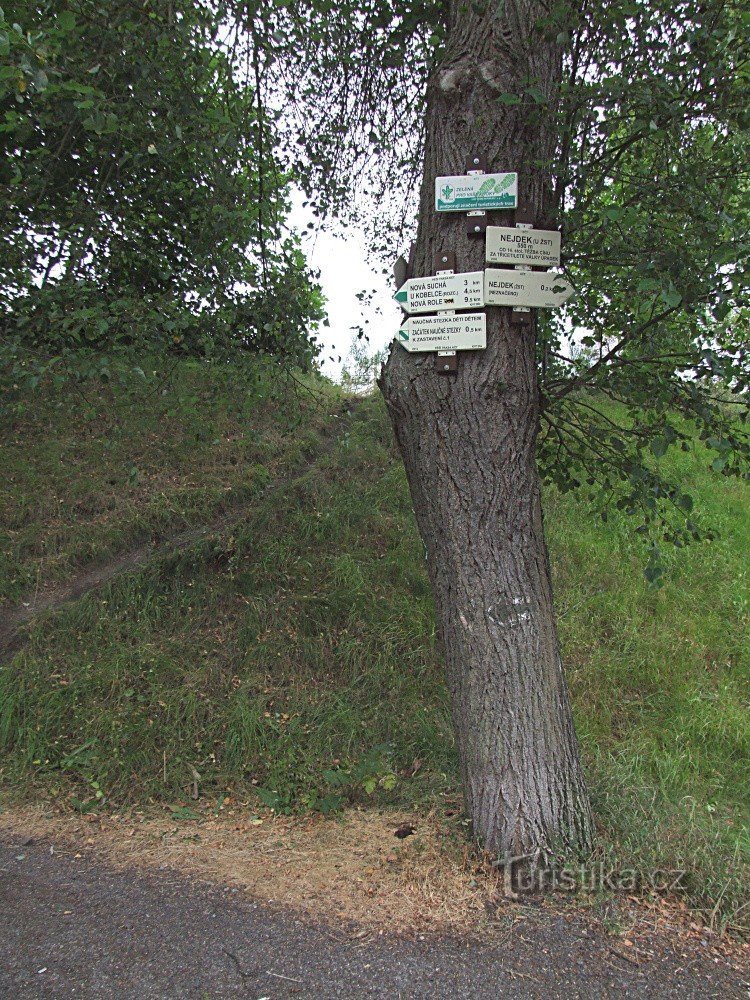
(143, 202)
(649, 184)
(149, 148)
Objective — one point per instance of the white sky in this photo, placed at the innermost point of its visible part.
(344, 271)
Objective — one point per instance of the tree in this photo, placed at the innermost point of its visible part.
(143, 202)
(625, 122)
(361, 369)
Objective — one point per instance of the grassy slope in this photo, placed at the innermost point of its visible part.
(295, 656)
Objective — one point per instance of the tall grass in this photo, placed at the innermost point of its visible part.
(295, 658)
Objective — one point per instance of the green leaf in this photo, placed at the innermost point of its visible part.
(185, 813)
(66, 20)
(537, 95)
(509, 99)
(659, 446)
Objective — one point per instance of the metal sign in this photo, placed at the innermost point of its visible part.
(476, 192)
(525, 288)
(448, 291)
(467, 332)
(540, 247)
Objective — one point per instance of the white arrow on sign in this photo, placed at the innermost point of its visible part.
(523, 246)
(465, 332)
(525, 288)
(448, 291)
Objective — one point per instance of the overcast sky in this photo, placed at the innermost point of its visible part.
(340, 257)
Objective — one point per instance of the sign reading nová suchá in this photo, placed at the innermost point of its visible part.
(442, 291)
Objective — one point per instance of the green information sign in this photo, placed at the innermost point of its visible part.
(476, 192)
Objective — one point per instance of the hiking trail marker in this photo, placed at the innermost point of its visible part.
(521, 245)
(442, 291)
(447, 333)
(476, 192)
(525, 288)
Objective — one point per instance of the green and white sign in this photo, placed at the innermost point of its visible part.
(449, 291)
(525, 288)
(476, 192)
(506, 245)
(466, 332)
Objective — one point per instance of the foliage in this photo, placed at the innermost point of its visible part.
(142, 201)
(294, 649)
(649, 184)
(361, 369)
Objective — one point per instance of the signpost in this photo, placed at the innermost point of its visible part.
(476, 192)
(534, 247)
(523, 247)
(525, 288)
(466, 332)
(445, 291)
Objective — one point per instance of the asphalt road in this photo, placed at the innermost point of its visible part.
(71, 927)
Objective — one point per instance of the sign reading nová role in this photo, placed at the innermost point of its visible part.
(476, 192)
(540, 247)
(525, 288)
(446, 291)
(466, 332)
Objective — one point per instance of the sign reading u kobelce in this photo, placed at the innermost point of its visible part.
(442, 291)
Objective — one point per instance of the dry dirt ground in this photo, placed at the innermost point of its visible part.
(254, 906)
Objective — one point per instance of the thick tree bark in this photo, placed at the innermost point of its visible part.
(468, 444)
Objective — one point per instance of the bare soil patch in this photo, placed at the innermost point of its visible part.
(353, 872)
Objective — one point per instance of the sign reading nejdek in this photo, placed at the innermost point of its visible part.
(444, 291)
(525, 288)
(476, 192)
(523, 246)
(465, 332)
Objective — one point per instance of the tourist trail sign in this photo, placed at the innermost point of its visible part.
(540, 247)
(476, 192)
(464, 332)
(525, 288)
(446, 291)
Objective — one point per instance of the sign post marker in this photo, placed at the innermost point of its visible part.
(522, 314)
(446, 362)
(476, 221)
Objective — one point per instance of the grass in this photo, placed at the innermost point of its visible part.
(293, 658)
(90, 470)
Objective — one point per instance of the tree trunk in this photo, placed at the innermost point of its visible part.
(468, 444)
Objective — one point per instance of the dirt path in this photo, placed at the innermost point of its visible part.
(72, 927)
(12, 620)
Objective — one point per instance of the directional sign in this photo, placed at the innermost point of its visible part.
(467, 332)
(525, 288)
(523, 246)
(476, 192)
(448, 291)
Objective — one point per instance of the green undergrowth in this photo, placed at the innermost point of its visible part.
(292, 660)
(92, 468)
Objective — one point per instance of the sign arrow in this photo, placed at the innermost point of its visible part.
(448, 291)
(465, 332)
(525, 288)
(540, 247)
